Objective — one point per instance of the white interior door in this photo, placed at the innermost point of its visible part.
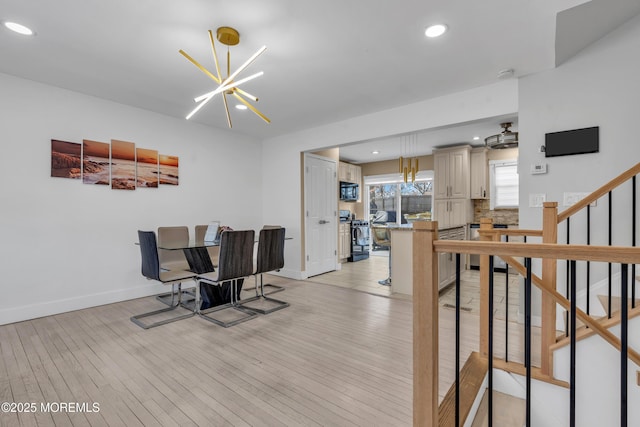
(321, 214)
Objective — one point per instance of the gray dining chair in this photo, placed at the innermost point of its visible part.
(214, 251)
(270, 258)
(235, 261)
(176, 236)
(152, 271)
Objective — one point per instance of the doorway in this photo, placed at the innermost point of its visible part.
(320, 214)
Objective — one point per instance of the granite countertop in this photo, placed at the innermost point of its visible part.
(409, 227)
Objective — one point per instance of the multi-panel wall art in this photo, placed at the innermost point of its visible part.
(119, 164)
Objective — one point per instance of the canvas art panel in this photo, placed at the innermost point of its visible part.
(147, 172)
(66, 160)
(95, 162)
(168, 169)
(123, 165)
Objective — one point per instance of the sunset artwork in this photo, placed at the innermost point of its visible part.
(123, 165)
(65, 159)
(168, 169)
(147, 168)
(95, 162)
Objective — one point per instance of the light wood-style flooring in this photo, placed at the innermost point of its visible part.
(335, 357)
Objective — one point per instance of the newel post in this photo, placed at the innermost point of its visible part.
(425, 324)
(548, 305)
(485, 224)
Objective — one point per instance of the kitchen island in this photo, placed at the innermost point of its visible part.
(402, 257)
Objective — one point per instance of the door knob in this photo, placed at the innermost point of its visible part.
(322, 221)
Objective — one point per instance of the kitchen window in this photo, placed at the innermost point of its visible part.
(503, 177)
(390, 199)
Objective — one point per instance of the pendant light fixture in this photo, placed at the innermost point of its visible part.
(408, 165)
(227, 85)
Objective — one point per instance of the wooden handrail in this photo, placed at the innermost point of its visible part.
(620, 179)
(512, 232)
(613, 254)
(566, 304)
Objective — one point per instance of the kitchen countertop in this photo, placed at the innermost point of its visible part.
(409, 227)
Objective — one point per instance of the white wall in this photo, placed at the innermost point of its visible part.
(281, 159)
(67, 245)
(598, 87)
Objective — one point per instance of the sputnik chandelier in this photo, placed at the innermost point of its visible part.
(227, 85)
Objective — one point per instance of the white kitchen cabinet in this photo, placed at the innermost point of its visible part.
(447, 261)
(344, 240)
(402, 259)
(479, 174)
(349, 173)
(452, 212)
(451, 173)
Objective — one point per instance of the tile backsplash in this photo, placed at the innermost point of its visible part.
(499, 216)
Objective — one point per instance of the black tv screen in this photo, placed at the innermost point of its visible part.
(577, 141)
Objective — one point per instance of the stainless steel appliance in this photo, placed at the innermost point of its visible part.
(359, 240)
(345, 215)
(474, 260)
(349, 191)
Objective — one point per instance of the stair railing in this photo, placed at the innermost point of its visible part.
(426, 247)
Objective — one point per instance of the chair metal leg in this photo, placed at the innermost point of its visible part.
(262, 298)
(137, 319)
(233, 304)
(167, 297)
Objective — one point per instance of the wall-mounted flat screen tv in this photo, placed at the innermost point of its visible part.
(577, 141)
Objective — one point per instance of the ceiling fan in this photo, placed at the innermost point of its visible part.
(227, 85)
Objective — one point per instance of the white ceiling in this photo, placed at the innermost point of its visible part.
(325, 61)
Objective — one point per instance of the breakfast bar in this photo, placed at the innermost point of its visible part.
(402, 257)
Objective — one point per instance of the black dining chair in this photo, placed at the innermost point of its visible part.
(270, 258)
(235, 262)
(151, 270)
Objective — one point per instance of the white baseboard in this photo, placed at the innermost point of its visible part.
(33, 311)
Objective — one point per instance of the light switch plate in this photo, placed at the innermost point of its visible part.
(536, 200)
(538, 168)
(571, 198)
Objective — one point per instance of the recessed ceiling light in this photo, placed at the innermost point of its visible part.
(435, 30)
(241, 107)
(18, 28)
(375, 152)
(475, 138)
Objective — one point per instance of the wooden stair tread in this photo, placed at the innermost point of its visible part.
(615, 303)
(605, 322)
(472, 376)
(536, 373)
(508, 411)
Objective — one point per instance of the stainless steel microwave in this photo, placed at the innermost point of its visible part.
(349, 191)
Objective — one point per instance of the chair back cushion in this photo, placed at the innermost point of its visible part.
(236, 254)
(173, 237)
(380, 236)
(149, 253)
(270, 250)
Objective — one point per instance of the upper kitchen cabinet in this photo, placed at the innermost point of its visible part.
(479, 173)
(451, 173)
(349, 173)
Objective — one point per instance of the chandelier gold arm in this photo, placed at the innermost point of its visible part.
(226, 109)
(200, 67)
(243, 66)
(215, 56)
(245, 94)
(251, 107)
(229, 86)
